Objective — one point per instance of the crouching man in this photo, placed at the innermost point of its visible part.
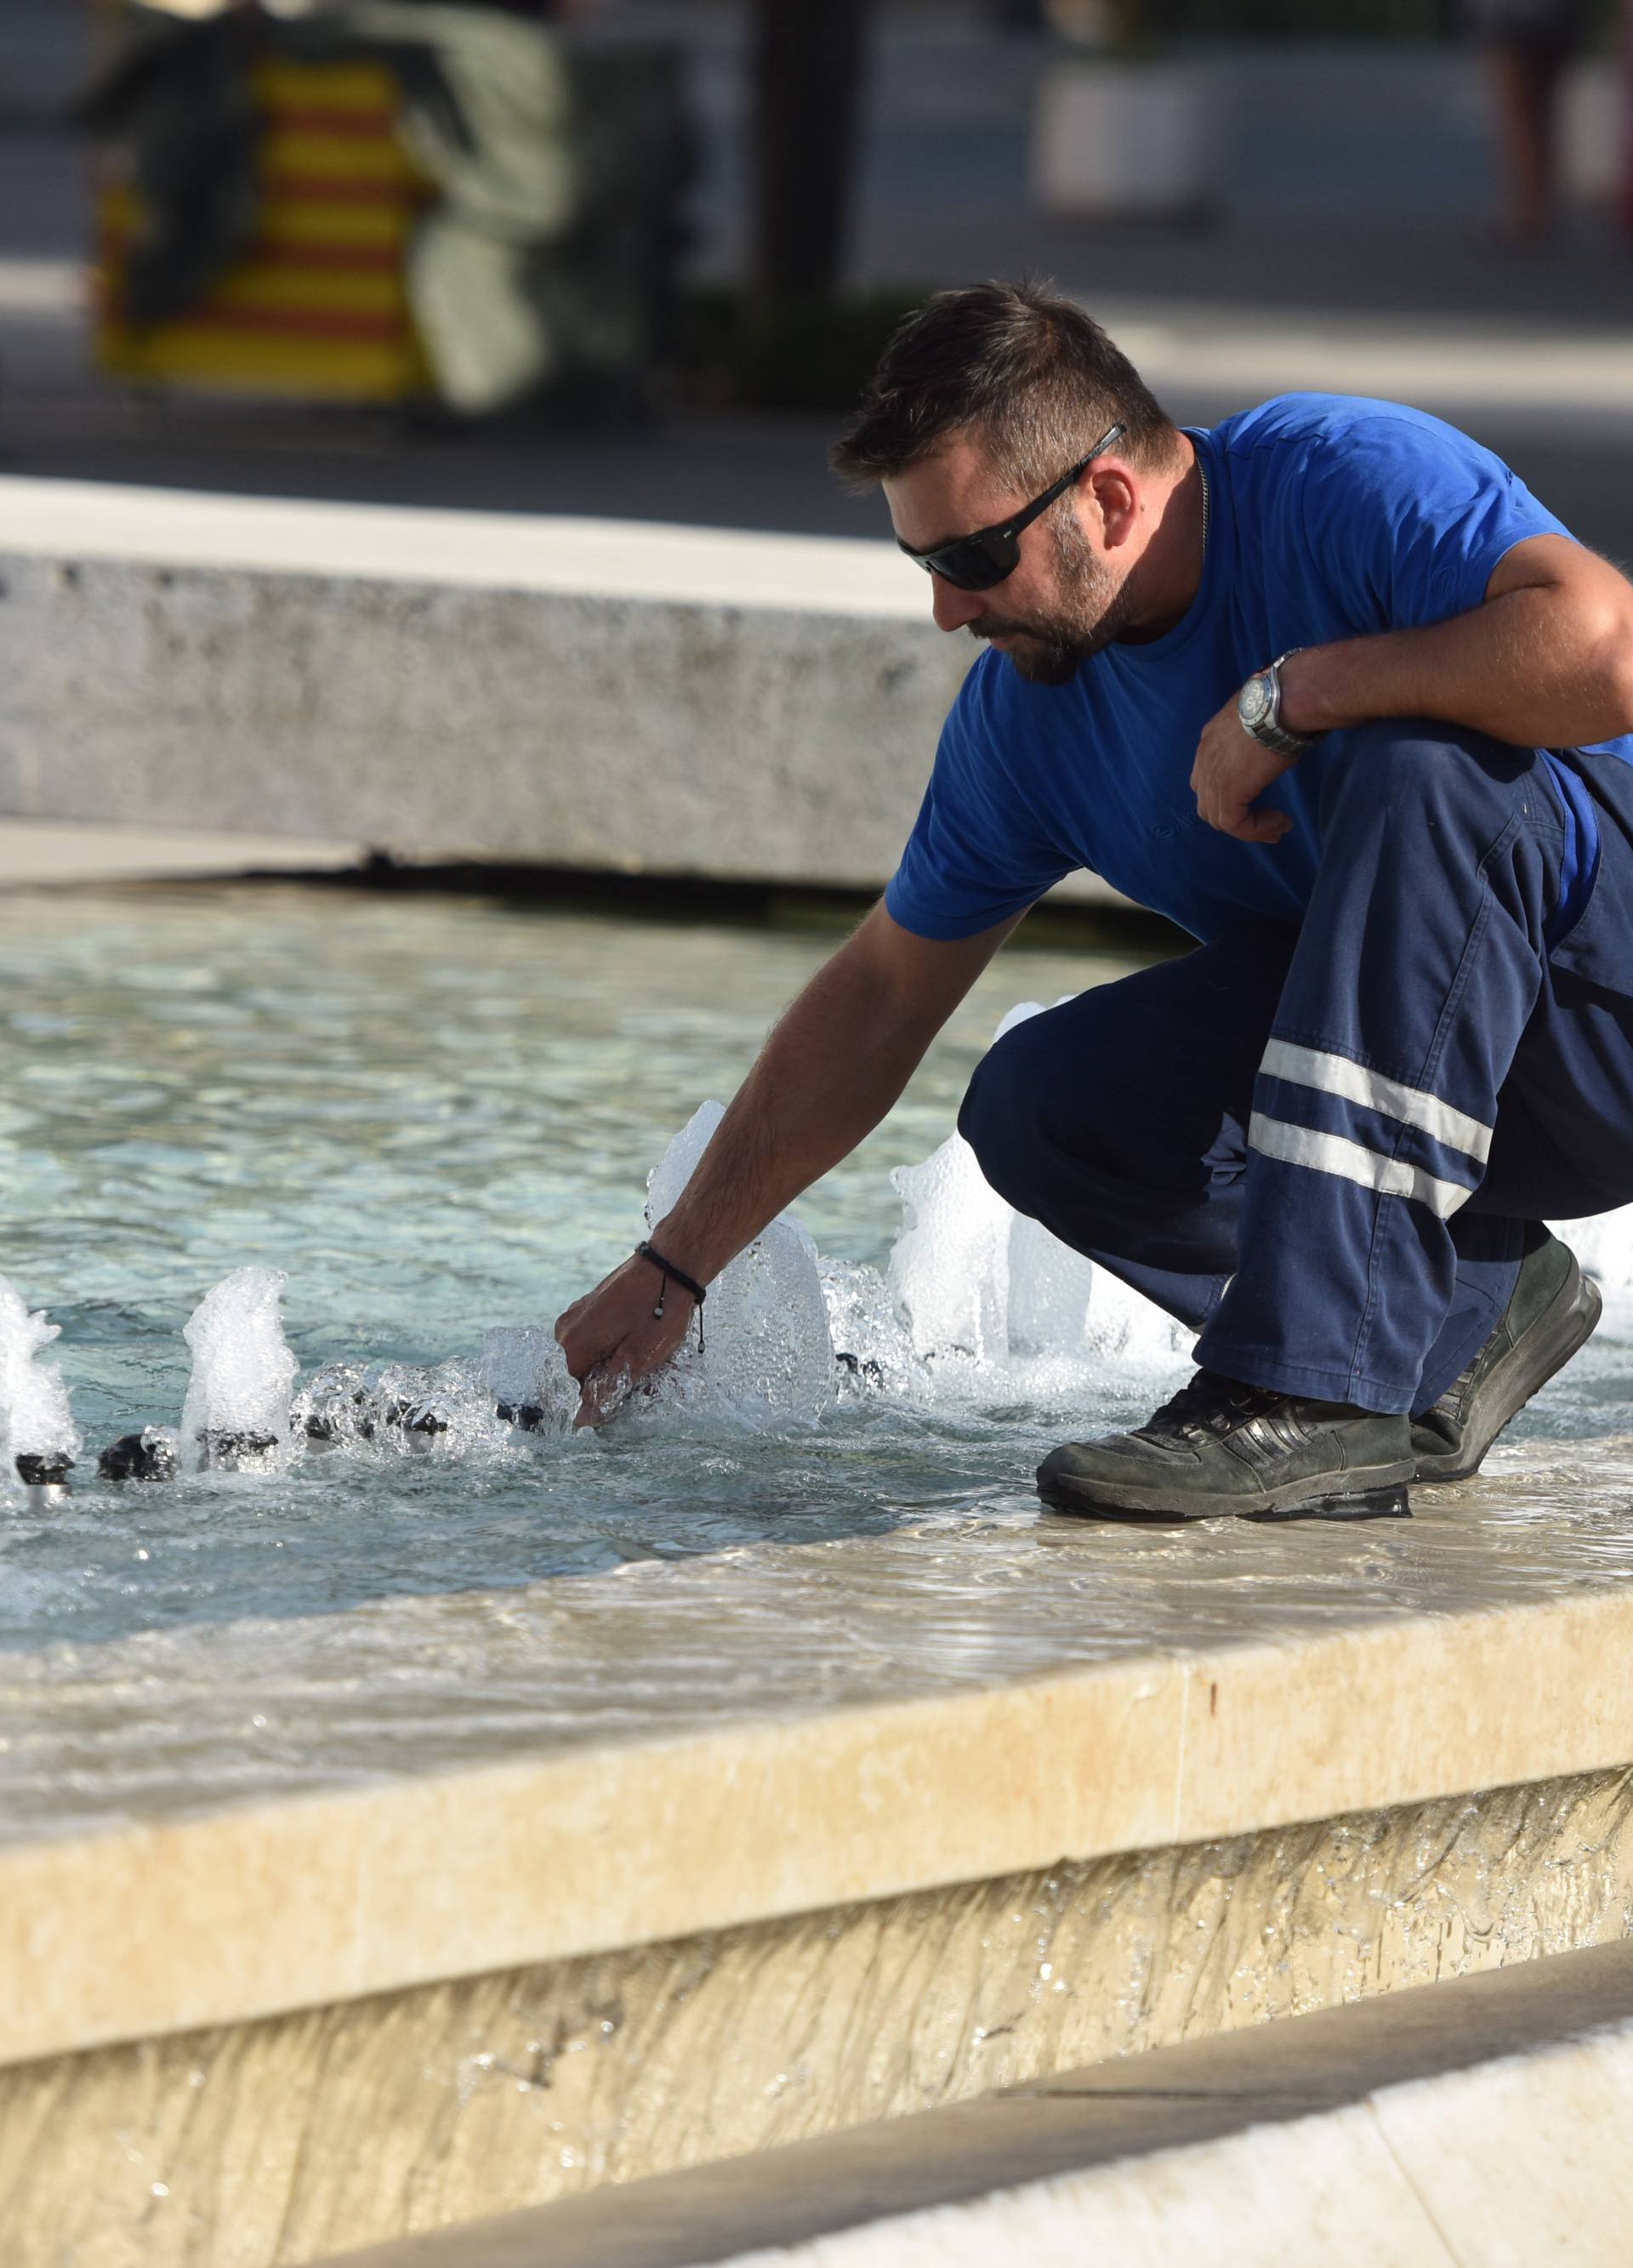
(1327, 685)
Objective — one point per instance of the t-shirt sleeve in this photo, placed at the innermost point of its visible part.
(975, 855)
(1404, 519)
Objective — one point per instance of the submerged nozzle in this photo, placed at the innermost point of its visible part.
(224, 1451)
(45, 1477)
(149, 1455)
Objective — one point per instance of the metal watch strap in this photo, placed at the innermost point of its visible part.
(1269, 732)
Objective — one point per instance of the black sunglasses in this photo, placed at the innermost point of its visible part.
(976, 562)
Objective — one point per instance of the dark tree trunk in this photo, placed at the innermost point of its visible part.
(807, 85)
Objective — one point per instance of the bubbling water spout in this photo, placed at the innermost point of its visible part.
(236, 1414)
(770, 1355)
(526, 1372)
(41, 1439)
(981, 1288)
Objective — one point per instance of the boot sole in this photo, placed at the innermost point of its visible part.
(1562, 1331)
(1373, 1492)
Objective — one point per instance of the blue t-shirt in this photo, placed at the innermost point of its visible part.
(1329, 518)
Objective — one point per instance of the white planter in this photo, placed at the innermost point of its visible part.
(1135, 139)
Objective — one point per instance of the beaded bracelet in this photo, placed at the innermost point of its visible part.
(666, 1269)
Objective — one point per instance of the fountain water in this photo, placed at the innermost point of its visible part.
(436, 1142)
(236, 1414)
(983, 1288)
(438, 1115)
(769, 1358)
(975, 1300)
(526, 1374)
(41, 1439)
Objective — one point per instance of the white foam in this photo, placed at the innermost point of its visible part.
(872, 1344)
(950, 1267)
(242, 1368)
(526, 1368)
(34, 1411)
(768, 1358)
(978, 1282)
(1604, 1244)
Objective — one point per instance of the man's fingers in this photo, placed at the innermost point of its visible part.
(604, 1388)
(1259, 825)
(582, 1349)
(1228, 776)
(1231, 810)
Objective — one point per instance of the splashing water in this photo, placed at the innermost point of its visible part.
(433, 1142)
(34, 1413)
(525, 1373)
(768, 1358)
(237, 1407)
(985, 1287)
(1604, 1246)
(977, 1304)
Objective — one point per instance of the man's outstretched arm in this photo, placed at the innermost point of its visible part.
(834, 1065)
(1546, 661)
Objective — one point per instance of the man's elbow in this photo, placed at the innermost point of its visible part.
(1618, 664)
(1610, 662)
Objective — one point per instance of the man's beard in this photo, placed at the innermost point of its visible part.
(1093, 609)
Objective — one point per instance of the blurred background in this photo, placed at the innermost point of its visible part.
(634, 257)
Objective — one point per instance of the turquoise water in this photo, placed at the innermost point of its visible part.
(437, 1117)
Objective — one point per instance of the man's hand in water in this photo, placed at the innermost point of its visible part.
(612, 1340)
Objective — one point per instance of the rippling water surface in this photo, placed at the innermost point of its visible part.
(437, 1117)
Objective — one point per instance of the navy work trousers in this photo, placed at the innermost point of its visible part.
(1317, 1144)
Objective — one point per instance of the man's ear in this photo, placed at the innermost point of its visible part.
(1116, 500)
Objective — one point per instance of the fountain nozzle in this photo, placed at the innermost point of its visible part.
(148, 1455)
(45, 1477)
(224, 1450)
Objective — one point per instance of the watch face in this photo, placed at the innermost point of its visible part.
(1253, 704)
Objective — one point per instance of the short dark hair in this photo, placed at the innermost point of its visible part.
(1022, 369)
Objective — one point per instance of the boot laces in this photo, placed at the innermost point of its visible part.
(1207, 1408)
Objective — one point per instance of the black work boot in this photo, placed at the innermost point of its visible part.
(1221, 1447)
(1552, 1312)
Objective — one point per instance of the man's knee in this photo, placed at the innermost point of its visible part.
(1002, 1115)
(1407, 768)
(1035, 1112)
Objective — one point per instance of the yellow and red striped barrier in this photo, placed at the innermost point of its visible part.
(317, 308)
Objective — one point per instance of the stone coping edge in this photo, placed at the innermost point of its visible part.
(36, 853)
(1113, 2115)
(572, 555)
(264, 1907)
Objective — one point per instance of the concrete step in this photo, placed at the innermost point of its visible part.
(1464, 2125)
(507, 1899)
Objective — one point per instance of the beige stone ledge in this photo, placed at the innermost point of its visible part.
(41, 852)
(434, 683)
(574, 556)
(1479, 2120)
(779, 725)
(269, 1817)
(272, 2144)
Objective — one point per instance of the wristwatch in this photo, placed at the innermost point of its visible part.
(1259, 711)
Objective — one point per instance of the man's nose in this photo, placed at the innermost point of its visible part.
(952, 608)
